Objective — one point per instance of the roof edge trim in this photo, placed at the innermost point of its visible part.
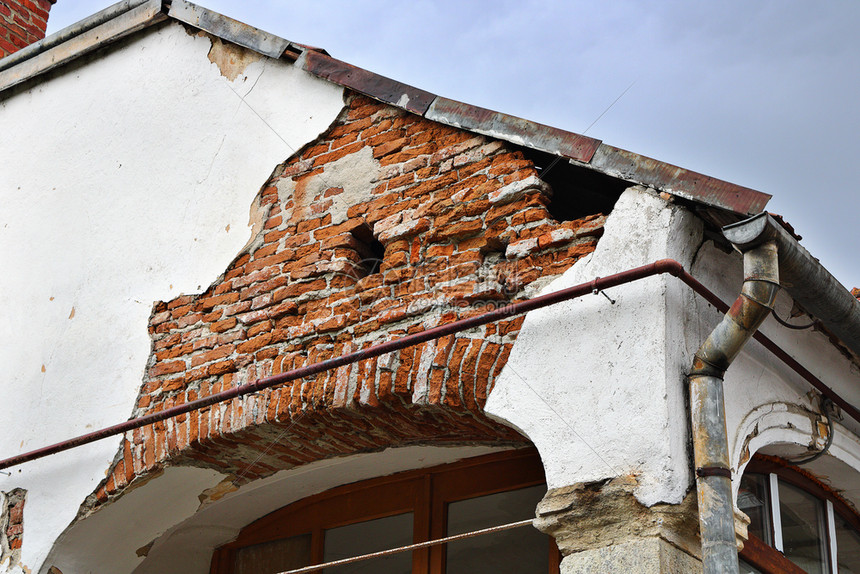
(228, 29)
(511, 128)
(678, 181)
(369, 83)
(70, 32)
(101, 29)
(129, 16)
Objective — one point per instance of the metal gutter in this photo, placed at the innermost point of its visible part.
(664, 266)
(773, 258)
(97, 31)
(805, 279)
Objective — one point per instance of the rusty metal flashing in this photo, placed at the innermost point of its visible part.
(69, 32)
(97, 31)
(511, 128)
(129, 16)
(228, 29)
(368, 83)
(678, 181)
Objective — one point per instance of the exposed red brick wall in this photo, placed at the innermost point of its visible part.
(464, 224)
(12, 525)
(22, 22)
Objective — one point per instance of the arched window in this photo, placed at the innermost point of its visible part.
(404, 508)
(797, 524)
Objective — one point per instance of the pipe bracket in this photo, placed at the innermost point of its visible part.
(713, 471)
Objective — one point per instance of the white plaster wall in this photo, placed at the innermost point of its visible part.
(123, 181)
(598, 387)
(768, 406)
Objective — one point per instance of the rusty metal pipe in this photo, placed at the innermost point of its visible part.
(659, 267)
(708, 415)
(656, 268)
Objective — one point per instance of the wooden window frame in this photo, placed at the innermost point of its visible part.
(768, 559)
(425, 492)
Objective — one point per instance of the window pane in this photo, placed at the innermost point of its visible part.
(367, 537)
(803, 528)
(519, 551)
(274, 556)
(747, 569)
(753, 501)
(847, 547)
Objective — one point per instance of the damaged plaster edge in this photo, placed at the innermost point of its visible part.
(792, 426)
(11, 527)
(228, 29)
(683, 236)
(157, 504)
(585, 516)
(216, 517)
(258, 214)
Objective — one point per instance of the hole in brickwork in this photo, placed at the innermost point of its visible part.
(577, 191)
(369, 248)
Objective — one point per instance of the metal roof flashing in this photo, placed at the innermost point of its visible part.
(100, 29)
(129, 16)
(124, 18)
(228, 29)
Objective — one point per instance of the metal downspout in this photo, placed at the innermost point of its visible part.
(708, 416)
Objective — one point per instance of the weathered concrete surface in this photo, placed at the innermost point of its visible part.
(648, 556)
(586, 516)
(599, 387)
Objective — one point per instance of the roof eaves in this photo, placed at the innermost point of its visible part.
(129, 16)
(583, 150)
(102, 28)
(124, 18)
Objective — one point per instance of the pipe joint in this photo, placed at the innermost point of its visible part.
(761, 293)
(708, 416)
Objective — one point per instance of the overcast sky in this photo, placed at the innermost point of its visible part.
(762, 94)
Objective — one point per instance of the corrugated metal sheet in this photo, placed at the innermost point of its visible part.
(511, 128)
(370, 84)
(228, 28)
(678, 181)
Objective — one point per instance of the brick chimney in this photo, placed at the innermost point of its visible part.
(22, 22)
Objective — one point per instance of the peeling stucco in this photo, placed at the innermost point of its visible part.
(232, 60)
(163, 157)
